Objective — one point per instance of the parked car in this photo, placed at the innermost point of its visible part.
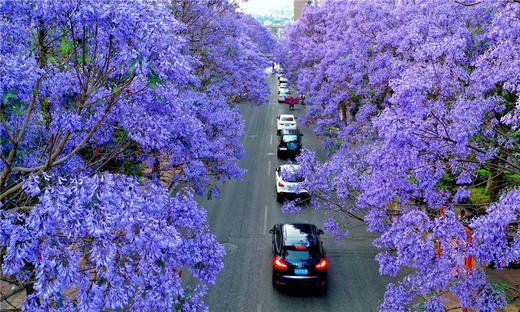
(285, 121)
(287, 184)
(298, 256)
(290, 143)
(283, 90)
(283, 93)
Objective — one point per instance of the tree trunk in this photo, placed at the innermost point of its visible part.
(493, 182)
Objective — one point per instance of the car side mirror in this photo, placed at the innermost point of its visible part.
(271, 231)
(320, 231)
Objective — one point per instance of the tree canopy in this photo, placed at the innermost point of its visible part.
(418, 104)
(98, 99)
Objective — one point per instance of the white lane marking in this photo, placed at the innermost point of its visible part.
(269, 167)
(258, 307)
(269, 154)
(271, 139)
(265, 220)
(272, 122)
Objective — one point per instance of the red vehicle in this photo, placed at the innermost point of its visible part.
(291, 101)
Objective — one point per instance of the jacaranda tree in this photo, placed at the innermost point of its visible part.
(98, 98)
(416, 101)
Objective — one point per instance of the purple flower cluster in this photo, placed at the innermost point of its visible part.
(408, 95)
(97, 99)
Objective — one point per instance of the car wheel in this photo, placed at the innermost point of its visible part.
(279, 197)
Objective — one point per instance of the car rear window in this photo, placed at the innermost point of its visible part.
(286, 119)
(288, 176)
(298, 255)
(290, 138)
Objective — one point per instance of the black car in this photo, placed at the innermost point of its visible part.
(299, 258)
(290, 143)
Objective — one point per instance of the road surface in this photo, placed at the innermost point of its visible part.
(245, 210)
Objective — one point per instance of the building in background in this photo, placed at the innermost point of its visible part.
(298, 7)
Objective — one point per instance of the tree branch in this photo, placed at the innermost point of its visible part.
(14, 149)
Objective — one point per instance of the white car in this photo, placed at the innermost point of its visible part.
(287, 183)
(282, 79)
(282, 94)
(285, 122)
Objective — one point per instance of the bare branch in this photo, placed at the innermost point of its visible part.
(14, 149)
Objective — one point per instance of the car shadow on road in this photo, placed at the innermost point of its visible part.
(302, 291)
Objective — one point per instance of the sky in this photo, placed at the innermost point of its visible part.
(263, 7)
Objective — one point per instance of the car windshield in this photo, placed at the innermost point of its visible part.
(283, 118)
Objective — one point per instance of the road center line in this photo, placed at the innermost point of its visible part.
(265, 220)
(269, 167)
(258, 307)
(271, 139)
(272, 122)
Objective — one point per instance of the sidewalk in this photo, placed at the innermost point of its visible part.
(510, 277)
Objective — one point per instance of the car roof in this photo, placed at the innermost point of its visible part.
(299, 234)
(287, 115)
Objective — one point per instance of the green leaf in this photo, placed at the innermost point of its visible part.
(154, 81)
(159, 263)
(131, 68)
(499, 287)
(65, 46)
(7, 96)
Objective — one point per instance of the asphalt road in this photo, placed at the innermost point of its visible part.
(244, 212)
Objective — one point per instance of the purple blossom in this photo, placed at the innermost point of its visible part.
(97, 98)
(408, 97)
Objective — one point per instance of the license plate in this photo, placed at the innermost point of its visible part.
(291, 188)
(283, 148)
(300, 271)
(287, 125)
